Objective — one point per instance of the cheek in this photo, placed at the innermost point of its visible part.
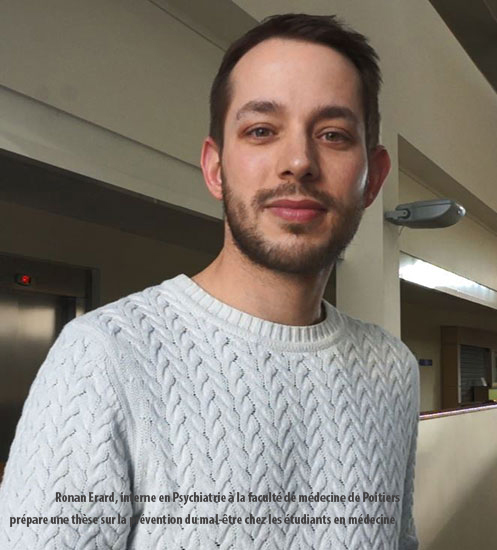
(347, 178)
(241, 177)
(247, 169)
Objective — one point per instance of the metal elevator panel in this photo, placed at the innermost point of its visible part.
(31, 318)
(29, 324)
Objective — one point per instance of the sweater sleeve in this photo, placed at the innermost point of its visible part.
(408, 539)
(71, 441)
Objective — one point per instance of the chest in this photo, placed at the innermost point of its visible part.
(291, 418)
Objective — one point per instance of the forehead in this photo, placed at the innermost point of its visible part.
(300, 75)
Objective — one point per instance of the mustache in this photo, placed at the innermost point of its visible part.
(288, 189)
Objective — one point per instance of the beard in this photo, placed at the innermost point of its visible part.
(301, 258)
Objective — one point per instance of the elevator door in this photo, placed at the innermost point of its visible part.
(29, 324)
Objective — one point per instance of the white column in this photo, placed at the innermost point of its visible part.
(367, 279)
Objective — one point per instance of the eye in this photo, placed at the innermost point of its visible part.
(334, 136)
(260, 132)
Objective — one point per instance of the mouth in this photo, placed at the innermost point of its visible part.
(297, 210)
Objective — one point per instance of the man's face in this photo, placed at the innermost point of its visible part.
(294, 162)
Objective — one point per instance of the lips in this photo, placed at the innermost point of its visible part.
(302, 204)
(297, 211)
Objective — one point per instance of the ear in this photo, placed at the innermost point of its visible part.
(378, 169)
(210, 161)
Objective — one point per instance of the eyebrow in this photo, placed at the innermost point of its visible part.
(334, 111)
(259, 106)
(318, 114)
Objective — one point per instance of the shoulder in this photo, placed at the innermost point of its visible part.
(378, 346)
(137, 314)
(130, 320)
(91, 351)
(391, 364)
(371, 335)
(126, 312)
(126, 341)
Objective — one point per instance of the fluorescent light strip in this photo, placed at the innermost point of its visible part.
(430, 276)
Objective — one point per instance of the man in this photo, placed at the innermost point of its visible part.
(238, 408)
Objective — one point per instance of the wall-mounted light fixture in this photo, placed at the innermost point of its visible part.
(426, 214)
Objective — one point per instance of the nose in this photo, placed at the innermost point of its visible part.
(298, 159)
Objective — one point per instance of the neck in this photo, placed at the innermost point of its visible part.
(283, 298)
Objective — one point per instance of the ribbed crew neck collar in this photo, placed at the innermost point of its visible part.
(288, 337)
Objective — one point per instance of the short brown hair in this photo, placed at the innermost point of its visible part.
(320, 29)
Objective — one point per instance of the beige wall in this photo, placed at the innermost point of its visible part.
(124, 65)
(127, 262)
(455, 502)
(421, 332)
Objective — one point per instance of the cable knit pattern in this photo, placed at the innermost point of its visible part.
(171, 390)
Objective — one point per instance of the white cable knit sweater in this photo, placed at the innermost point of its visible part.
(169, 390)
